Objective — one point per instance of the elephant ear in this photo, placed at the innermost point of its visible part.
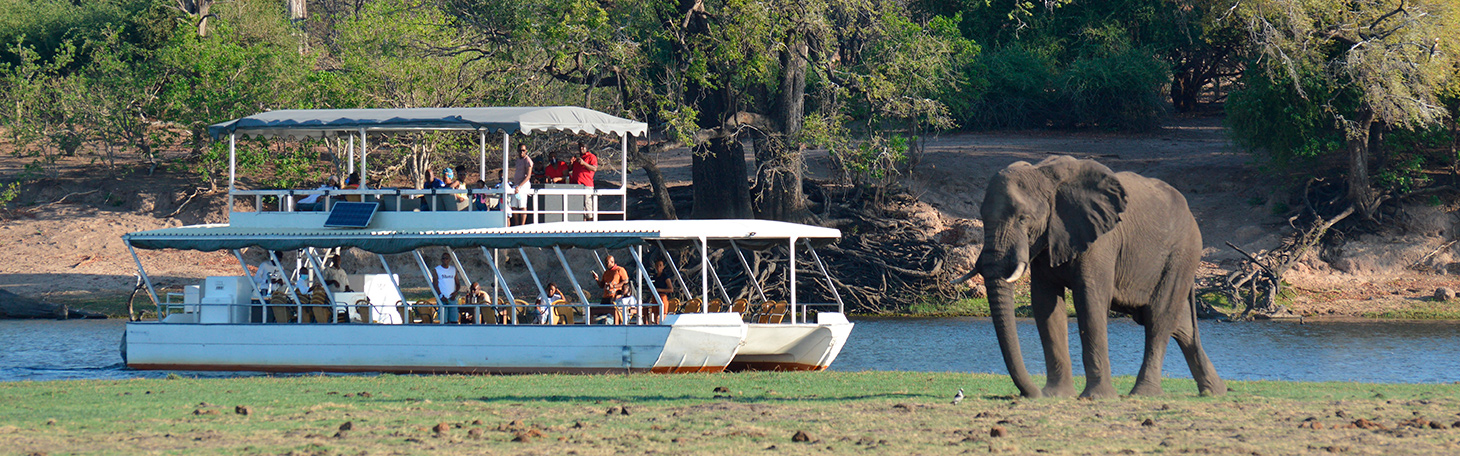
(1088, 202)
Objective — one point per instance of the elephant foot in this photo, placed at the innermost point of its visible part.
(1212, 388)
(1099, 391)
(1147, 389)
(1064, 390)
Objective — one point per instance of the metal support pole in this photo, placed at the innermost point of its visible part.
(395, 282)
(716, 274)
(431, 283)
(257, 293)
(477, 309)
(535, 281)
(319, 274)
(503, 280)
(829, 283)
(350, 168)
(574, 280)
(502, 200)
(232, 168)
(298, 304)
(364, 149)
(482, 158)
(668, 258)
(644, 277)
(704, 275)
(750, 275)
(793, 278)
(151, 291)
(623, 158)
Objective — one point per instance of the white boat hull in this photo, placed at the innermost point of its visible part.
(793, 347)
(685, 343)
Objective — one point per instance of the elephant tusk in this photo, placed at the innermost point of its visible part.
(1018, 272)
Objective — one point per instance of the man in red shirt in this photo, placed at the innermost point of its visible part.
(584, 165)
(556, 171)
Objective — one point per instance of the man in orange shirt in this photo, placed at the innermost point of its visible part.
(613, 279)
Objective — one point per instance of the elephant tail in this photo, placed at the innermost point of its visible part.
(1191, 298)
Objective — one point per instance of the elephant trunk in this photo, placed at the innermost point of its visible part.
(1001, 306)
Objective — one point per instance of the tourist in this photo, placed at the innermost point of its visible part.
(473, 303)
(352, 182)
(315, 202)
(556, 171)
(663, 279)
(613, 279)
(266, 272)
(545, 303)
(520, 185)
(585, 164)
(444, 284)
(335, 276)
(627, 306)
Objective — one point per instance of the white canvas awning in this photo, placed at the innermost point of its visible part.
(314, 123)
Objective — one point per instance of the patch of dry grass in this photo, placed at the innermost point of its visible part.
(833, 412)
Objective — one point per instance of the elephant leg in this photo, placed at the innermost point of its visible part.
(1158, 330)
(1202, 370)
(1092, 307)
(1048, 301)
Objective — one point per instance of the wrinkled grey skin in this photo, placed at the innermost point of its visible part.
(1118, 242)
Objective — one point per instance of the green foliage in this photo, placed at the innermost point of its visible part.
(1118, 91)
(1016, 85)
(9, 193)
(1271, 116)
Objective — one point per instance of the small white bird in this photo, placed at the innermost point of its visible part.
(958, 397)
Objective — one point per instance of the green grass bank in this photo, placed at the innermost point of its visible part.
(756, 413)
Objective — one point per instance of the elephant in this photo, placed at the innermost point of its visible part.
(1116, 241)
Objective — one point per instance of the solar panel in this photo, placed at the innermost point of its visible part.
(351, 215)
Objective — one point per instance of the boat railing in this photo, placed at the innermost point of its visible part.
(421, 312)
(543, 204)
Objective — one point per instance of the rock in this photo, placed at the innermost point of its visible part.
(364, 394)
(612, 411)
(521, 437)
(721, 389)
(51, 422)
(801, 436)
(342, 434)
(998, 431)
(624, 411)
(243, 410)
(475, 433)
(348, 426)
(205, 412)
(476, 422)
(1148, 422)
(1362, 423)
(441, 428)
(1444, 294)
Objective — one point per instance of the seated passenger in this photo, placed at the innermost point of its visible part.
(545, 302)
(627, 306)
(315, 202)
(476, 303)
(353, 183)
(333, 274)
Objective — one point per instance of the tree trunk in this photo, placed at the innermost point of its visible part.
(779, 174)
(721, 190)
(1360, 190)
(656, 182)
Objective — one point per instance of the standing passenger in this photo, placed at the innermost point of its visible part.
(444, 284)
(584, 166)
(521, 184)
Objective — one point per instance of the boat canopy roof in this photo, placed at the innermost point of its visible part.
(592, 235)
(314, 123)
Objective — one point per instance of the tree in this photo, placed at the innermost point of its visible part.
(1380, 63)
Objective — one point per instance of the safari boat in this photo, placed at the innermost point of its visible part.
(232, 323)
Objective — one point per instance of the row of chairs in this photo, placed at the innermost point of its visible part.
(767, 312)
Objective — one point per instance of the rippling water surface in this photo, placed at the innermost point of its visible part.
(1398, 352)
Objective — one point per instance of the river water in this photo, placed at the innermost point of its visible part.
(1388, 352)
